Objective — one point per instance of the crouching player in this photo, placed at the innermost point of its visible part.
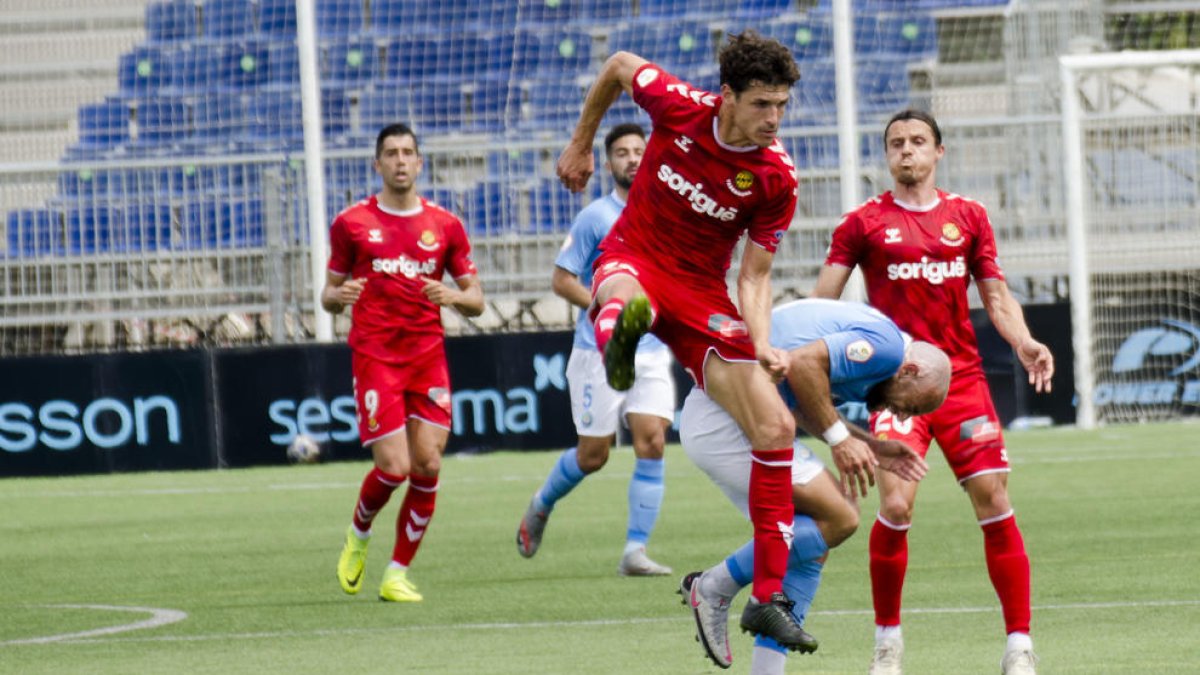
(837, 352)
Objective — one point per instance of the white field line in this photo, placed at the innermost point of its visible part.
(90, 637)
(158, 617)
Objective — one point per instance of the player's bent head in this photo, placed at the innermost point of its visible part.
(748, 58)
(621, 131)
(919, 116)
(919, 387)
(397, 129)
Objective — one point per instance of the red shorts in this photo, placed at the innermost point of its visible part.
(966, 428)
(692, 316)
(386, 394)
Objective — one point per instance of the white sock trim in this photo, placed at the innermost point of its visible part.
(1019, 642)
(890, 525)
(996, 519)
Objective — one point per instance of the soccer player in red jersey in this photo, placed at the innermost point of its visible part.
(388, 255)
(918, 248)
(713, 169)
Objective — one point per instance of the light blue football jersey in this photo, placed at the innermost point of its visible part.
(581, 249)
(865, 347)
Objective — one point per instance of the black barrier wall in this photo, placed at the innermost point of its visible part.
(241, 407)
(108, 412)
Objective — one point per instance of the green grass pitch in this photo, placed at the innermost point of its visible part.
(233, 571)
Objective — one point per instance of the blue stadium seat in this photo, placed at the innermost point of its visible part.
(228, 18)
(912, 35)
(488, 208)
(456, 56)
(882, 84)
(552, 207)
(88, 228)
(222, 223)
(562, 53)
(816, 90)
(171, 20)
(352, 60)
(242, 64)
(605, 10)
(276, 116)
(762, 9)
(406, 17)
(675, 9)
(220, 116)
(490, 105)
(163, 120)
(554, 105)
(277, 16)
(679, 46)
(348, 180)
(145, 70)
(340, 17)
(385, 104)
(553, 13)
(438, 107)
(808, 38)
(32, 233)
(104, 124)
(141, 226)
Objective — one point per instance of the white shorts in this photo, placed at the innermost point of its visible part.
(716, 444)
(597, 407)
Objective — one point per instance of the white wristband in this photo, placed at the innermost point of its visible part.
(836, 433)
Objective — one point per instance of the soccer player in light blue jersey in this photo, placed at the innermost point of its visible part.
(837, 353)
(647, 408)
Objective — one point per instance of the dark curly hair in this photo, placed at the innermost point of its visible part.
(748, 57)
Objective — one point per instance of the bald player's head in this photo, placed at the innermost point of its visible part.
(918, 387)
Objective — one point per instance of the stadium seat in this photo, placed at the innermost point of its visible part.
(679, 46)
(340, 17)
(171, 21)
(808, 38)
(762, 9)
(562, 53)
(490, 105)
(594, 11)
(386, 103)
(552, 13)
(445, 17)
(217, 223)
(277, 16)
(552, 207)
(140, 226)
(882, 83)
(437, 107)
(487, 208)
(220, 116)
(145, 70)
(32, 233)
(276, 116)
(228, 18)
(348, 180)
(88, 228)
(553, 105)
(348, 61)
(675, 9)
(104, 124)
(912, 35)
(163, 120)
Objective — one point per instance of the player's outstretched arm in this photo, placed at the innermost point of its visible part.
(831, 281)
(1006, 314)
(576, 163)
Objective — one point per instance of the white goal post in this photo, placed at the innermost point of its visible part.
(1131, 140)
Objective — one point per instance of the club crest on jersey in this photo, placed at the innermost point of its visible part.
(741, 184)
(727, 326)
(951, 235)
(859, 351)
(375, 236)
(891, 235)
(428, 241)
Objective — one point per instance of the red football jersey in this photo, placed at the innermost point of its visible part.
(394, 251)
(917, 265)
(694, 196)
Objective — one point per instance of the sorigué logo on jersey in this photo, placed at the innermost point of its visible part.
(694, 193)
(404, 265)
(933, 271)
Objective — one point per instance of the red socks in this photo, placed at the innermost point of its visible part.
(772, 513)
(414, 517)
(376, 489)
(1008, 566)
(606, 320)
(889, 561)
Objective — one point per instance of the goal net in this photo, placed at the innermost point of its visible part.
(1132, 142)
